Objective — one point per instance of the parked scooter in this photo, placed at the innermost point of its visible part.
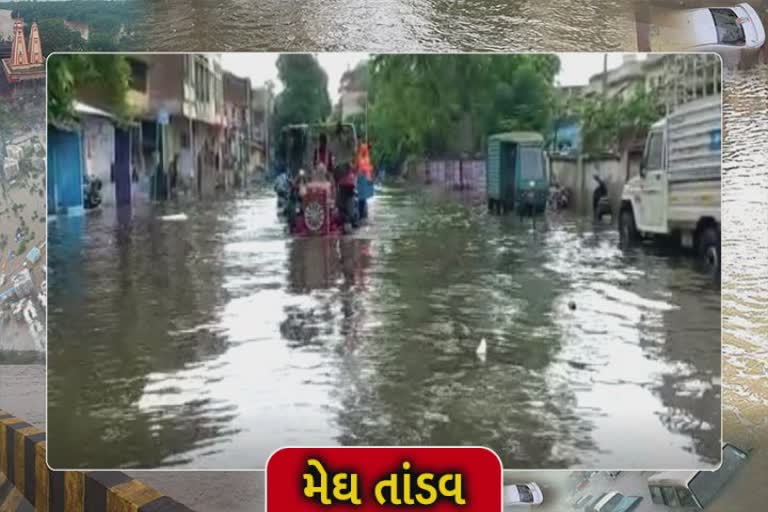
(91, 192)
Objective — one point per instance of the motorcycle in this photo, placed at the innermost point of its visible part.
(559, 198)
(603, 208)
(91, 192)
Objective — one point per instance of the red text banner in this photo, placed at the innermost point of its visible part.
(384, 479)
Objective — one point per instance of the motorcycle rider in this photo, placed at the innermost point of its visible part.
(346, 200)
(283, 190)
(600, 192)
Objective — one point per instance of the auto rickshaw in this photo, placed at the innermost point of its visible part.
(320, 163)
(516, 173)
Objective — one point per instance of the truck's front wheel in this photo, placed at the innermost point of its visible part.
(627, 229)
(709, 249)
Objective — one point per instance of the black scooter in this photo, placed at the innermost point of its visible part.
(91, 192)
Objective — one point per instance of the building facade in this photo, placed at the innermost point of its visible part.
(262, 104)
(187, 97)
(237, 133)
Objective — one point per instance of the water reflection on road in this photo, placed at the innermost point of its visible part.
(212, 342)
(389, 25)
(745, 278)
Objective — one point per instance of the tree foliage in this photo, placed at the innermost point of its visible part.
(304, 98)
(443, 104)
(56, 36)
(609, 123)
(69, 72)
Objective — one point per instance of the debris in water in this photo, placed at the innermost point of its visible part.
(482, 349)
(176, 217)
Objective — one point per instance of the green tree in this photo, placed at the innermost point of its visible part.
(608, 123)
(57, 37)
(68, 73)
(102, 42)
(438, 104)
(304, 98)
(106, 23)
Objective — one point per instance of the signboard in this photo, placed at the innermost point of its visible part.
(163, 117)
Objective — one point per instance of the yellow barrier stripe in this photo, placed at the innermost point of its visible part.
(26, 480)
(41, 479)
(128, 497)
(74, 492)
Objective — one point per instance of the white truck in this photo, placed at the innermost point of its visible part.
(677, 193)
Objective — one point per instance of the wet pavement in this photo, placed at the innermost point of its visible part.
(389, 25)
(212, 342)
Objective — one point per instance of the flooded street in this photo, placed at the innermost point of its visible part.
(389, 25)
(210, 343)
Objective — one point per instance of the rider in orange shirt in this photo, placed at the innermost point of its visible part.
(364, 178)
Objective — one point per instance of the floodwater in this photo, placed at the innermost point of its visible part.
(211, 342)
(389, 25)
(745, 283)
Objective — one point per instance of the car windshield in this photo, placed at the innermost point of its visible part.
(612, 504)
(728, 30)
(525, 493)
(707, 484)
(531, 164)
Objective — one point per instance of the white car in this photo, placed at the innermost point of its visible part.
(522, 495)
(732, 32)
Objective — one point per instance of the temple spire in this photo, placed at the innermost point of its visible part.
(19, 56)
(35, 47)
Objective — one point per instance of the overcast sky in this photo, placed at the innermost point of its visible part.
(576, 68)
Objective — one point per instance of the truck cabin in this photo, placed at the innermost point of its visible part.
(653, 153)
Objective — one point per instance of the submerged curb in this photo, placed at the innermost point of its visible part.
(27, 484)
